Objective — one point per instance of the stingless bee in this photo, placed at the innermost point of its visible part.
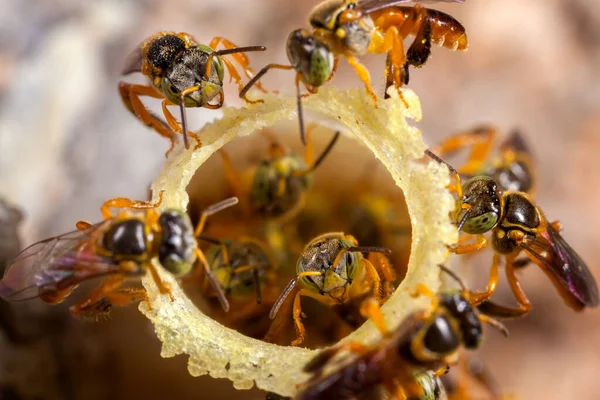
(123, 246)
(332, 269)
(426, 342)
(352, 28)
(518, 226)
(182, 72)
(280, 182)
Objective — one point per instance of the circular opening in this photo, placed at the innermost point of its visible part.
(226, 353)
(349, 192)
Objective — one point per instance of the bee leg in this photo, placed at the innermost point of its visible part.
(88, 307)
(422, 290)
(478, 298)
(515, 286)
(130, 94)
(123, 202)
(163, 287)
(240, 57)
(235, 182)
(174, 124)
(372, 272)
(119, 298)
(363, 74)
(212, 279)
(336, 62)
(125, 296)
(480, 139)
(369, 309)
(297, 312)
(236, 77)
(470, 248)
(395, 61)
(385, 270)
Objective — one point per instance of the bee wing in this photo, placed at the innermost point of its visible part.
(56, 263)
(564, 266)
(369, 6)
(133, 62)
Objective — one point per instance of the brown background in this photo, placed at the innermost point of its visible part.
(67, 144)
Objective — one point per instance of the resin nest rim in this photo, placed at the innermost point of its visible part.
(225, 353)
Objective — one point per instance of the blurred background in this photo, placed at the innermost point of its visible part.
(67, 144)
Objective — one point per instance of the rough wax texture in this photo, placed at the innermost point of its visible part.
(224, 353)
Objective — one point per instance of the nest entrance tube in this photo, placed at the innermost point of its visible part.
(225, 353)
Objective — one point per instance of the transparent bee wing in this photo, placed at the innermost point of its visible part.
(53, 264)
(563, 265)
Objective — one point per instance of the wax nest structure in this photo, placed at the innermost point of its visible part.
(225, 353)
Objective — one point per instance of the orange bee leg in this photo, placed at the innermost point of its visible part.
(213, 209)
(372, 272)
(236, 77)
(297, 312)
(480, 139)
(469, 248)
(240, 57)
(175, 125)
(235, 181)
(130, 94)
(336, 62)
(125, 296)
(232, 176)
(123, 202)
(88, 306)
(478, 298)
(369, 309)
(385, 270)
(163, 287)
(423, 290)
(515, 286)
(120, 298)
(397, 60)
(363, 74)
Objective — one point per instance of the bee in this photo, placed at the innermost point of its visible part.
(239, 266)
(352, 28)
(182, 72)
(331, 270)
(280, 182)
(518, 226)
(122, 246)
(415, 353)
(512, 169)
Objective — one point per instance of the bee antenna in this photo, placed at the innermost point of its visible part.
(454, 276)
(439, 159)
(282, 297)
(256, 279)
(321, 157)
(369, 249)
(463, 220)
(495, 323)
